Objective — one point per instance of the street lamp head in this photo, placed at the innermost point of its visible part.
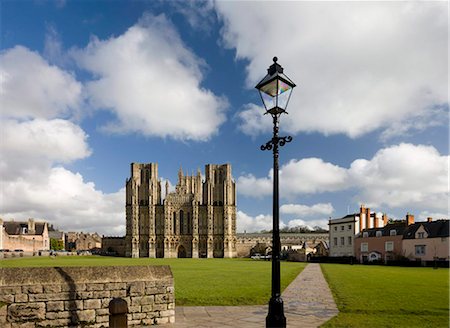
(275, 89)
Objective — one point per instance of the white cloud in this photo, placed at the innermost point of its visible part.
(309, 175)
(252, 121)
(65, 200)
(403, 175)
(359, 66)
(424, 215)
(50, 92)
(152, 82)
(311, 224)
(320, 209)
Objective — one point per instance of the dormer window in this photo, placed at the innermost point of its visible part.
(365, 234)
(421, 235)
(378, 234)
(393, 232)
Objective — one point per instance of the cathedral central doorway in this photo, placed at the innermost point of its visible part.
(181, 252)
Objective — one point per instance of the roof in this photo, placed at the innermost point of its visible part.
(386, 230)
(347, 218)
(435, 229)
(16, 228)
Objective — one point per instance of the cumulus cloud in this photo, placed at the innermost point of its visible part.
(397, 176)
(36, 140)
(403, 175)
(309, 175)
(152, 82)
(50, 92)
(252, 122)
(305, 211)
(65, 200)
(359, 66)
(311, 224)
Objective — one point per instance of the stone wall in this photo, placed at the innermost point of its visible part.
(80, 296)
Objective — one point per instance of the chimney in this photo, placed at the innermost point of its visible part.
(361, 211)
(367, 218)
(429, 219)
(409, 219)
(385, 219)
(375, 220)
(31, 227)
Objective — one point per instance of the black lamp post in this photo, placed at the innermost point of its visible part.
(275, 90)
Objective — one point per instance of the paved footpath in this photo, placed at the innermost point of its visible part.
(307, 303)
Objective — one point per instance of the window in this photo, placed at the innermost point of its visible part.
(349, 227)
(392, 232)
(342, 241)
(421, 235)
(335, 241)
(364, 247)
(335, 228)
(365, 234)
(378, 234)
(342, 228)
(349, 240)
(389, 246)
(420, 250)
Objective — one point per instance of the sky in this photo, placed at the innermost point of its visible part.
(88, 87)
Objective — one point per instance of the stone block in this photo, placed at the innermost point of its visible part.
(86, 315)
(134, 323)
(85, 295)
(7, 298)
(147, 308)
(33, 289)
(115, 285)
(64, 314)
(150, 284)
(10, 290)
(102, 294)
(53, 306)
(161, 298)
(102, 311)
(148, 322)
(118, 293)
(22, 325)
(134, 309)
(77, 287)
(26, 312)
(138, 316)
(92, 304)
(150, 299)
(170, 289)
(102, 318)
(21, 298)
(167, 313)
(52, 288)
(73, 305)
(160, 321)
(53, 323)
(172, 319)
(171, 306)
(136, 288)
(159, 307)
(91, 287)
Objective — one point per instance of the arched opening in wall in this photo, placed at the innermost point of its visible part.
(181, 252)
(182, 230)
(189, 223)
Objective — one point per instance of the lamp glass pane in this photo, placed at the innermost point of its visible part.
(270, 88)
(283, 98)
(268, 101)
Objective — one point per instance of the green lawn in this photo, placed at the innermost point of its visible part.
(381, 296)
(197, 281)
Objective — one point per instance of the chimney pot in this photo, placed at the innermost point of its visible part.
(429, 219)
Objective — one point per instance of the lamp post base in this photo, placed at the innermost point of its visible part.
(276, 317)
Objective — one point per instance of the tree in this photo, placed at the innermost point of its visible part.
(56, 244)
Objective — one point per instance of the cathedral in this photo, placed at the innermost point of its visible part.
(197, 220)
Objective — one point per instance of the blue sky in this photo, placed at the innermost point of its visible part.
(87, 87)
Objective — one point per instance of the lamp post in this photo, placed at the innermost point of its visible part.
(275, 90)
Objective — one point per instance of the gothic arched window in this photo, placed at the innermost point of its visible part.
(174, 227)
(182, 231)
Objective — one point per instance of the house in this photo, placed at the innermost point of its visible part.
(342, 231)
(322, 248)
(427, 241)
(30, 236)
(381, 244)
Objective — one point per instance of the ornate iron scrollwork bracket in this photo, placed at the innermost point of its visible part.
(275, 142)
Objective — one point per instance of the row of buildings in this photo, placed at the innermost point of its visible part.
(372, 237)
(33, 236)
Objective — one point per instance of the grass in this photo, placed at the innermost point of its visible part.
(197, 281)
(382, 296)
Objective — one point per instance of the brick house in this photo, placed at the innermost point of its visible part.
(380, 244)
(30, 236)
(427, 241)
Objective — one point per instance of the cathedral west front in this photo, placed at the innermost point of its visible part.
(197, 220)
